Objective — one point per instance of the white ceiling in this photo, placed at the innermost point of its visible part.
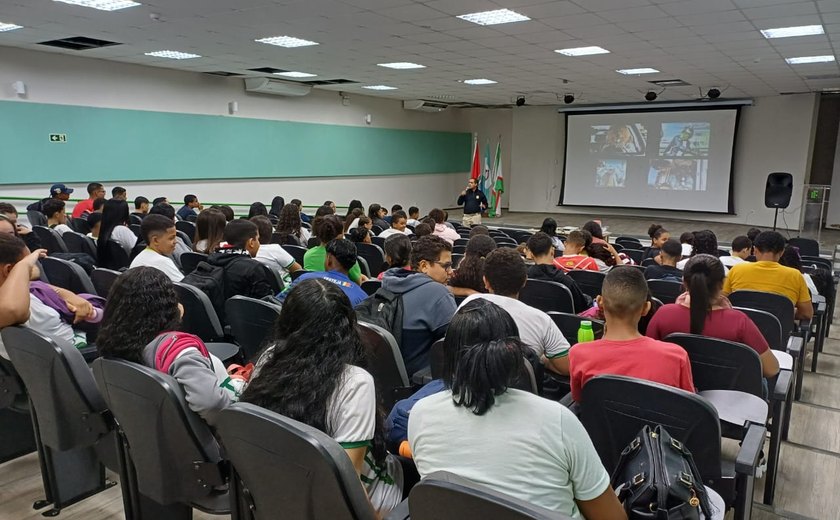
(704, 42)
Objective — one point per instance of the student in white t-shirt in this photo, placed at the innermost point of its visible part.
(56, 216)
(160, 236)
(509, 440)
(310, 372)
(399, 221)
(271, 255)
(741, 249)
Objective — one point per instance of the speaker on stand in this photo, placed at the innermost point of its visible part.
(777, 192)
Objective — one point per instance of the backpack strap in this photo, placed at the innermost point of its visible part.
(169, 345)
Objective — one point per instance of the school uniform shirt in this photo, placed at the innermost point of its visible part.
(391, 231)
(151, 258)
(769, 277)
(537, 330)
(568, 263)
(525, 446)
(728, 324)
(61, 228)
(353, 291)
(124, 237)
(275, 258)
(642, 358)
(731, 261)
(315, 259)
(185, 211)
(681, 265)
(45, 320)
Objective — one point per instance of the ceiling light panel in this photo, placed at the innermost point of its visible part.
(295, 74)
(102, 5)
(496, 17)
(401, 65)
(4, 27)
(379, 87)
(286, 41)
(480, 81)
(789, 32)
(582, 51)
(173, 55)
(809, 59)
(641, 70)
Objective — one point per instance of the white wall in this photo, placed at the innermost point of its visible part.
(776, 134)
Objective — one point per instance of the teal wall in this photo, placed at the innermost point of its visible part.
(123, 145)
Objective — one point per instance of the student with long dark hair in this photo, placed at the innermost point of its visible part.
(704, 310)
(209, 230)
(375, 213)
(114, 227)
(704, 243)
(257, 209)
(474, 427)
(397, 253)
(277, 204)
(658, 236)
(311, 371)
(549, 227)
(596, 231)
(469, 277)
(289, 225)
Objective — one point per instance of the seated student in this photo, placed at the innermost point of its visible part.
(25, 233)
(142, 306)
(273, 255)
(397, 253)
(94, 220)
(189, 208)
(686, 241)
(209, 231)
(243, 276)
(169, 212)
(277, 204)
(352, 219)
(790, 258)
(159, 234)
(57, 191)
(767, 274)
(390, 218)
(98, 206)
(666, 269)
(740, 250)
(341, 256)
(360, 235)
(375, 213)
(311, 371)
(289, 225)
(227, 211)
(469, 277)
(441, 229)
(53, 209)
(114, 227)
(118, 192)
(574, 256)
(257, 209)
(413, 216)
(303, 216)
(95, 191)
(17, 268)
(423, 229)
(541, 250)
(327, 228)
(704, 310)
(159, 200)
(505, 275)
(604, 255)
(549, 227)
(475, 427)
(623, 351)
(703, 243)
(141, 206)
(398, 224)
(658, 236)
(596, 231)
(428, 305)
(752, 234)
(479, 230)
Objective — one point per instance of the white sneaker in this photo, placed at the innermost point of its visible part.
(761, 469)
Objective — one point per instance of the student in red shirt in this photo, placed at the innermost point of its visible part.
(623, 351)
(704, 310)
(95, 191)
(572, 257)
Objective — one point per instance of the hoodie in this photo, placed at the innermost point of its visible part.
(447, 233)
(244, 276)
(428, 307)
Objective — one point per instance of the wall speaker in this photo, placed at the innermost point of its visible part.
(778, 190)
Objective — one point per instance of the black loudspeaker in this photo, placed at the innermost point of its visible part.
(778, 190)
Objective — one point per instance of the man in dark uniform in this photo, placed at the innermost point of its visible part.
(474, 203)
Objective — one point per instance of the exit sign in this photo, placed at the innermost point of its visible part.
(58, 138)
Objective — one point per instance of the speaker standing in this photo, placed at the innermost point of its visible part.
(474, 203)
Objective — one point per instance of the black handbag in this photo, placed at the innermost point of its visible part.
(659, 479)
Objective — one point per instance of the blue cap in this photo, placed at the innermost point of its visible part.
(60, 188)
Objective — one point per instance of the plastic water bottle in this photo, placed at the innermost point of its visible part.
(585, 332)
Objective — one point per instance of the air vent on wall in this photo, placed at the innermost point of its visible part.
(79, 43)
(817, 77)
(268, 70)
(329, 82)
(223, 73)
(670, 83)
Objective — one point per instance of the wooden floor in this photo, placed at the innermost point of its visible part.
(806, 489)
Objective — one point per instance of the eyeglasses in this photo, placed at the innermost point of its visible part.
(446, 265)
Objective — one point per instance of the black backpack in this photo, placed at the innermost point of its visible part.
(210, 279)
(385, 309)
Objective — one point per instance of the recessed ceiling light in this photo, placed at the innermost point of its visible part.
(787, 32)
(641, 70)
(295, 74)
(173, 55)
(379, 87)
(480, 81)
(9, 27)
(286, 41)
(809, 59)
(102, 5)
(494, 17)
(582, 51)
(403, 65)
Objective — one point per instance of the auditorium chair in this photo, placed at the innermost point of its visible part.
(613, 409)
(635, 254)
(268, 453)
(655, 305)
(291, 240)
(630, 242)
(50, 239)
(103, 279)
(461, 242)
(36, 218)
(446, 496)
(79, 225)
(67, 275)
(15, 419)
(589, 282)
(363, 266)
(459, 249)
(190, 260)
(200, 319)
(185, 238)
(135, 219)
(570, 323)
(817, 261)
(297, 253)
(75, 432)
(385, 363)
(173, 462)
(667, 291)
(547, 296)
(379, 241)
(118, 257)
(371, 286)
(728, 375)
(807, 246)
(79, 243)
(456, 259)
(250, 321)
(186, 227)
(135, 228)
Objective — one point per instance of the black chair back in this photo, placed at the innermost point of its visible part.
(36, 218)
(135, 219)
(461, 250)
(289, 469)
(371, 286)
(445, 496)
(189, 260)
(717, 364)
(185, 238)
(636, 254)
(250, 321)
(776, 304)
(374, 257)
(570, 323)
(297, 253)
(51, 240)
(363, 266)
(547, 296)
(630, 242)
(186, 227)
(67, 275)
(199, 316)
(589, 282)
(175, 456)
(667, 291)
(79, 225)
(379, 241)
(117, 257)
(817, 261)
(384, 362)
(135, 228)
(769, 326)
(655, 305)
(103, 279)
(79, 243)
(461, 242)
(807, 246)
(283, 240)
(456, 259)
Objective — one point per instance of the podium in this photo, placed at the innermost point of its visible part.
(814, 206)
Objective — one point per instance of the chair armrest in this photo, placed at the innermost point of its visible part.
(782, 386)
(422, 377)
(400, 512)
(747, 458)
(794, 346)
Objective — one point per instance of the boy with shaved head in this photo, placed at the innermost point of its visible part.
(623, 351)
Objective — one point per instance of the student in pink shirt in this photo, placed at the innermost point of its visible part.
(623, 351)
(441, 229)
(572, 257)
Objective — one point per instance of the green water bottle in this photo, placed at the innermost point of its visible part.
(585, 332)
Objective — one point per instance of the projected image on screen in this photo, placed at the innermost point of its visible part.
(618, 139)
(610, 174)
(678, 174)
(684, 140)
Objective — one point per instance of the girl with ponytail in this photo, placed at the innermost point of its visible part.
(704, 310)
